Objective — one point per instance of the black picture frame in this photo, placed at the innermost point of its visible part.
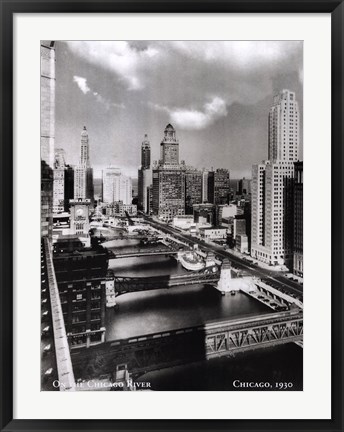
(8, 9)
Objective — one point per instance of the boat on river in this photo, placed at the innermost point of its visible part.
(191, 261)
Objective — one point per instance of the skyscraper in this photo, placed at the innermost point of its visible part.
(145, 153)
(83, 174)
(68, 186)
(193, 189)
(169, 178)
(144, 175)
(116, 187)
(284, 127)
(218, 186)
(85, 151)
(298, 220)
(272, 185)
(48, 101)
(205, 186)
(47, 56)
(59, 181)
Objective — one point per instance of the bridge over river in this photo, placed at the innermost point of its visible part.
(155, 351)
(124, 285)
(141, 252)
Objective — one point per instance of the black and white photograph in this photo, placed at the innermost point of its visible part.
(171, 215)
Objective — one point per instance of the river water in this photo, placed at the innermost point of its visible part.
(154, 311)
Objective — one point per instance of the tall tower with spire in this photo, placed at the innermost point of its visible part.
(83, 180)
(145, 153)
(144, 175)
(85, 151)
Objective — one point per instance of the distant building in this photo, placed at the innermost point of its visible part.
(215, 233)
(204, 213)
(116, 187)
(118, 208)
(218, 186)
(169, 179)
(79, 182)
(83, 173)
(68, 186)
(59, 190)
(204, 186)
(134, 187)
(298, 220)
(59, 181)
(145, 153)
(144, 175)
(193, 189)
(244, 187)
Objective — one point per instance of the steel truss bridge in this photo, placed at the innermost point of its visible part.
(166, 349)
(124, 285)
(107, 238)
(139, 252)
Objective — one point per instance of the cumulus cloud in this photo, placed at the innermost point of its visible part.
(238, 54)
(82, 83)
(120, 57)
(192, 119)
(241, 71)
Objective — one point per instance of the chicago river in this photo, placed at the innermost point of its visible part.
(147, 312)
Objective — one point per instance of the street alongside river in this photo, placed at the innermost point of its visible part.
(146, 312)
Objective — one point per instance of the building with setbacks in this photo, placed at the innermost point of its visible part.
(169, 178)
(144, 175)
(83, 173)
(272, 186)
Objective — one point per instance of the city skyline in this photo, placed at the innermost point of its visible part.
(179, 267)
(215, 114)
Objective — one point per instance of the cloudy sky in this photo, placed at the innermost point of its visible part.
(216, 94)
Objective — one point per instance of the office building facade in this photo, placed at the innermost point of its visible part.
(298, 220)
(83, 173)
(284, 128)
(218, 186)
(47, 139)
(116, 186)
(193, 189)
(272, 186)
(169, 178)
(144, 175)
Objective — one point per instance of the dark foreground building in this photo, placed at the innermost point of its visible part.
(82, 280)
